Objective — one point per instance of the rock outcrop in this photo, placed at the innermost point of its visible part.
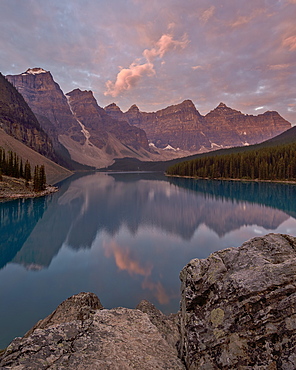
(182, 126)
(81, 335)
(239, 307)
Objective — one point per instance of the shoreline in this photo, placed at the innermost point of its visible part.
(230, 179)
(33, 194)
(12, 188)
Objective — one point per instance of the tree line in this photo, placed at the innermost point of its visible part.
(272, 163)
(12, 165)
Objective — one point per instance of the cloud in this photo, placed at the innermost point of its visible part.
(290, 43)
(127, 78)
(207, 14)
(163, 45)
(196, 67)
(277, 67)
(241, 21)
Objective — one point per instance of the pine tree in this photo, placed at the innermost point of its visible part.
(42, 177)
(39, 179)
(36, 184)
(27, 172)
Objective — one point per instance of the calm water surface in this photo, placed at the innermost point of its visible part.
(124, 237)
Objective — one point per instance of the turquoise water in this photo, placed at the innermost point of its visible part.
(124, 237)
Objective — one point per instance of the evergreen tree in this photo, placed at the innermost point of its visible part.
(39, 179)
(36, 178)
(27, 172)
(42, 177)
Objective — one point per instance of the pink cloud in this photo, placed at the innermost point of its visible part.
(127, 78)
(277, 67)
(163, 45)
(207, 14)
(290, 43)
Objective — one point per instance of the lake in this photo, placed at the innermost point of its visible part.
(125, 237)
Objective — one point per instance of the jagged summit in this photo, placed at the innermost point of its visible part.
(112, 107)
(222, 105)
(133, 108)
(78, 91)
(34, 71)
(187, 103)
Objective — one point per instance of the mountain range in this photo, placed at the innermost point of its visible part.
(183, 127)
(74, 130)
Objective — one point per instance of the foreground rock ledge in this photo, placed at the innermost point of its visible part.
(238, 311)
(239, 307)
(80, 334)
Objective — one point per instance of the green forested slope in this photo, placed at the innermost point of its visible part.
(277, 162)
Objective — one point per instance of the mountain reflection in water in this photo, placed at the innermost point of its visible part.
(125, 237)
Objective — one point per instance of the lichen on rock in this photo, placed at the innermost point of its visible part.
(239, 307)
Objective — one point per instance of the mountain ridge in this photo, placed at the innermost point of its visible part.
(94, 142)
(182, 126)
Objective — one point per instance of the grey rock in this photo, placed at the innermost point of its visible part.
(82, 335)
(78, 307)
(239, 307)
(168, 325)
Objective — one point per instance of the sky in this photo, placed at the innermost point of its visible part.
(158, 53)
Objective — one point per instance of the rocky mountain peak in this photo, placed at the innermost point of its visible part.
(222, 105)
(79, 93)
(112, 108)
(187, 103)
(133, 108)
(18, 120)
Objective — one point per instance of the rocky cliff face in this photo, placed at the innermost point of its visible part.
(46, 99)
(17, 120)
(100, 125)
(238, 307)
(226, 125)
(76, 122)
(182, 126)
(237, 312)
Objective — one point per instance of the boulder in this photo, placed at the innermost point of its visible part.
(81, 335)
(238, 307)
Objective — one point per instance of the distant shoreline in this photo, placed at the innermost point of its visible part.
(229, 179)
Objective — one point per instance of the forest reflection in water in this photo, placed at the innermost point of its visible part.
(125, 237)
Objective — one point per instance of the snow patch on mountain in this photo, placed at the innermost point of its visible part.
(83, 129)
(34, 71)
(169, 147)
